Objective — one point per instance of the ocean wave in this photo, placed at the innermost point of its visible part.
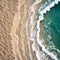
(43, 10)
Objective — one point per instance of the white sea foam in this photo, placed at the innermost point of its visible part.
(33, 34)
(33, 22)
(41, 12)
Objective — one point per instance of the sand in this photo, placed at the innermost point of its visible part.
(13, 37)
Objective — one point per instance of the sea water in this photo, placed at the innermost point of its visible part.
(51, 24)
(50, 29)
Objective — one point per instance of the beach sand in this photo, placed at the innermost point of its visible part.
(13, 38)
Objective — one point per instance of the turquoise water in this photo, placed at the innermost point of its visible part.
(51, 27)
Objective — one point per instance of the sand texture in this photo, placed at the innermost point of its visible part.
(14, 44)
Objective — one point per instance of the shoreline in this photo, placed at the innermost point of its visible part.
(33, 21)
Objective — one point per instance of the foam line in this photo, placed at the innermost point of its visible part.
(33, 32)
